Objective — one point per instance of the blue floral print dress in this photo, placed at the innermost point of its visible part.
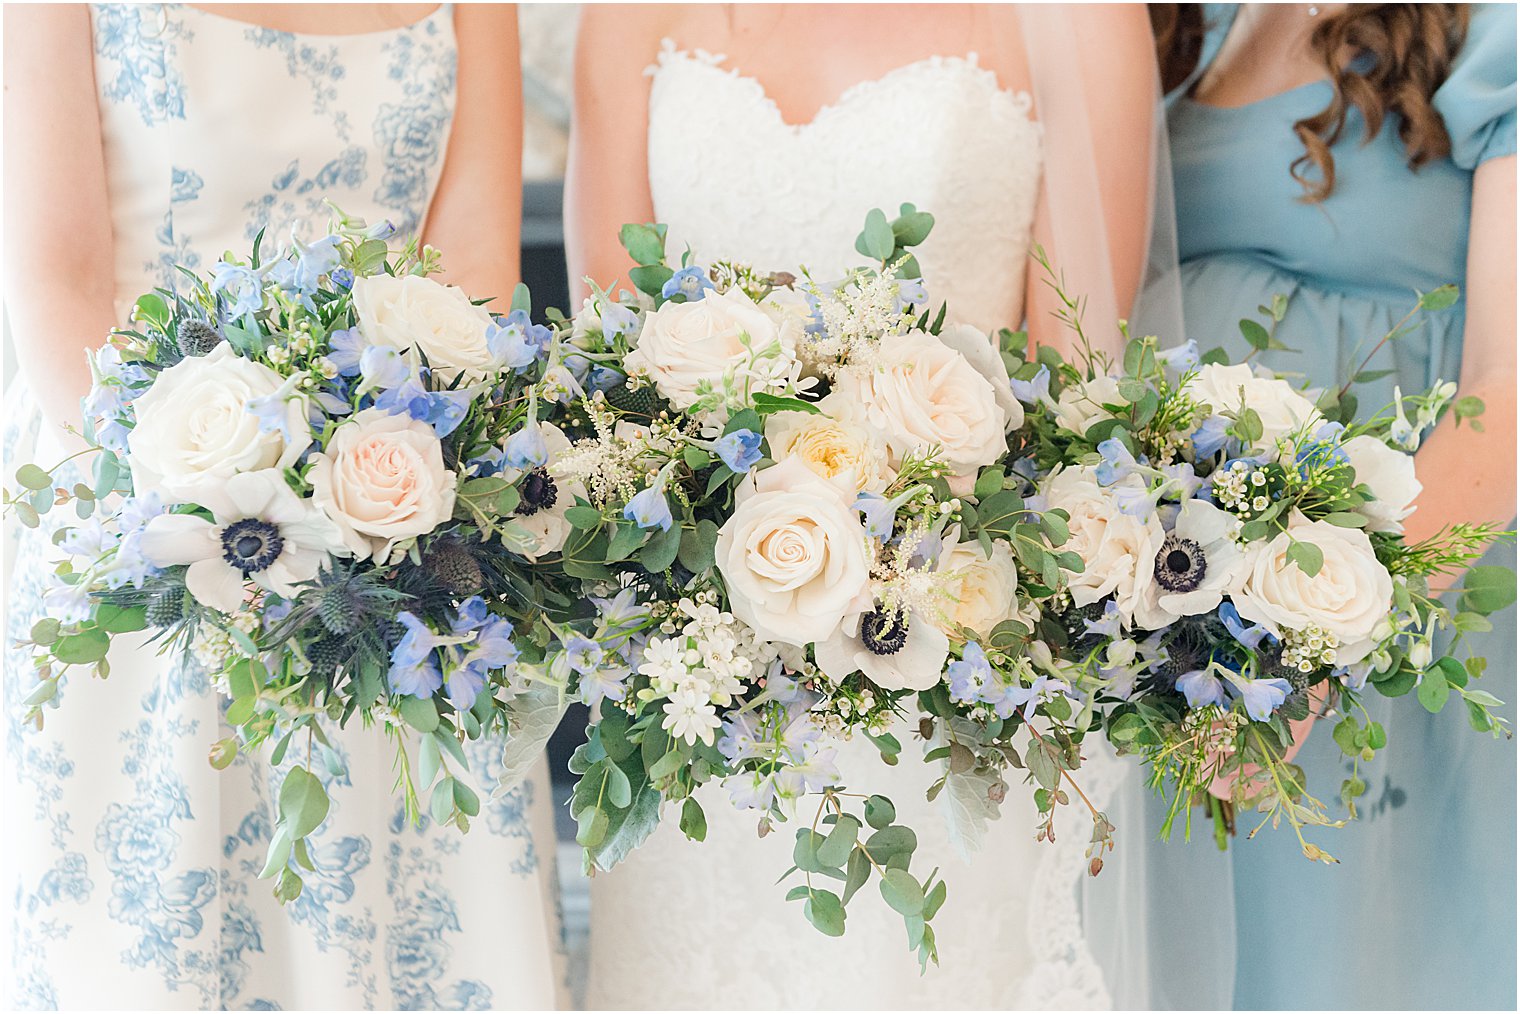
(129, 865)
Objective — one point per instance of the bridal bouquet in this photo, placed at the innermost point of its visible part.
(305, 479)
(1245, 569)
(809, 489)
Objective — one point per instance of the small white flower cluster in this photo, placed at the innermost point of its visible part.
(855, 316)
(701, 663)
(1242, 489)
(214, 647)
(612, 465)
(1308, 649)
(1216, 729)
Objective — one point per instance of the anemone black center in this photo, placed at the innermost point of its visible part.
(1181, 565)
(537, 492)
(884, 632)
(251, 545)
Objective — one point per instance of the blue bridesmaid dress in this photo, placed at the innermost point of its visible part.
(1421, 911)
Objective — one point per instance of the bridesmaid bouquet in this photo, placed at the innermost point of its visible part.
(304, 479)
(1245, 568)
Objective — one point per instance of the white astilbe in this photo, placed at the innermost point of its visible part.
(854, 318)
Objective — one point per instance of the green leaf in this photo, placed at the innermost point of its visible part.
(693, 820)
(1433, 690)
(826, 912)
(618, 788)
(895, 840)
(934, 899)
(522, 299)
(1488, 589)
(876, 241)
(1309, 557)
(591, 829)
(857, 872)
(419, 712)
(1043, 765)
(33, 477)
(661, 549)
(303, 802)
(584, 518)
(1398, 683)
(805, 851)
(278, 854)
(1439, 299)
(988, 482)
(44, 691)
(903, 892)
(466, 799)
(625, 540)
(644, 243)
(911, 227)
(630, 828)
(1255, 335)
(836, 848)
(1346, 519)
(770, 404)
(45, 631)
(880, 812)
(120, 619)
(87, 646)
(650, 280)
(697, 544)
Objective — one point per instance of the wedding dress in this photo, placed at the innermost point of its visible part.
(130, 863)
(709, 919)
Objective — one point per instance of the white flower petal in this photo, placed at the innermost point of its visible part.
(215, 584)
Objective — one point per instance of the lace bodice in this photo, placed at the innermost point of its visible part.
(938, 133)
(194, 168)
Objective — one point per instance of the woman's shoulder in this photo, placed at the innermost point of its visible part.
(1477, 99)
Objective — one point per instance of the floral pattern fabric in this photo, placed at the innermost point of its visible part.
(131, 865)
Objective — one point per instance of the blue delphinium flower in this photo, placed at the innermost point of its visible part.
(347, 345)
(465, 683)
(603, 378)
(622, 611)
(878, 514)
(649, 509)
(1201, 688)
(1210, 437)
(691, 282)
(494, 647)
(383, 229)
(1036, 389)
(617, 319)
(469, 615)
(273, 414)
(911, 292)
(381, 368)
(583, 654)
(1106, 625)
(342, 278)
(526, 448)
(969, 675)
(1117, 462)
(239, 285)
(1322, 449)
(489, 463)
(314, 261)
(442, 410)
(1250, 636)
(739, 450)
(417, 643)
(516, 342)
(1180, 358)
(419, 679)
(1260, 696)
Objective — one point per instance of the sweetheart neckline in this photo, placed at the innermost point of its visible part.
(1021, 99)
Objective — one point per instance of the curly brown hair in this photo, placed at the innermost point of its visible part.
(1412, 48)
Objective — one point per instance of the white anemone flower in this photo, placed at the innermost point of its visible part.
(896, 651)
(263, 532)
(1198, 563)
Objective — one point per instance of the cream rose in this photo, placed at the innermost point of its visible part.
(1389, 474)
(416, 314)
(1349, 596)
(836, 444)
(1282, 410)
(195, 431)
(923, 393)
(1081, 405)
(983, 587)
(794, 556)
(1118, 550)
(687, 349)
(382, 480)
(982, 354)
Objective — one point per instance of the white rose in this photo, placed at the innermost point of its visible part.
(546, 527)
(381, 478)
(836, 444)
(984, 357)
(1282, 410)
(793, 555)
(1118, 550)
(687, 349)
(983, 587)
(1081, 405)
(1349, 596)
(194, 430)
(923, 393)
(1389, 474)
(417, 314)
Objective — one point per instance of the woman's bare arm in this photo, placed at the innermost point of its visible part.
(59, 259)
(1114, 64)
(607, 183)
(1470, 475)
(476, 216)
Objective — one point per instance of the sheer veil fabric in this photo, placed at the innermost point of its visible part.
(1160, 918)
